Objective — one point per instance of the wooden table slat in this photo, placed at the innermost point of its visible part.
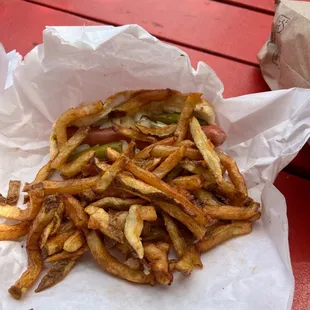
(212, 26)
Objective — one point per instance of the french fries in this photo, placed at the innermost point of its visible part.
(67, 148)
(137, 204)
(71, 115)
(55, 274)
(170, 162)
(13, 193)
(158, 132)
(13, 232)
(186, 113)
(223, 233)
(110, 264)
(157, 257)
(176, 238)
(210, 156)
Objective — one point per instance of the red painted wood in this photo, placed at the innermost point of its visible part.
(301, 163)
(295, 190)
(204, 24)
(239, 79)
(265, 5)
(22, 23)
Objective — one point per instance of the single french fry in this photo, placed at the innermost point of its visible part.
(74, 242)
(170, 162)
(158, 132)
(13, 232)
(13, 193)
(190, 183)
(188, 108)
(210, 156)
(43, 173)
(206, 197)
(233, 172)
(178, 241)
(230, 212)
(189, 261)
(55, 274)
(223, 233)
(28, 278)
(166, 150)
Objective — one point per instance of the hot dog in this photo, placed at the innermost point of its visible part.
(107, 135)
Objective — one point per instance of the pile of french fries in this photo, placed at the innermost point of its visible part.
(142, 214)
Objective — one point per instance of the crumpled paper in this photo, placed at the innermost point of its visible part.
(265, 131)
(284, 58)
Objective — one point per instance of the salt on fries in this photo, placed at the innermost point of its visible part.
(177, 192)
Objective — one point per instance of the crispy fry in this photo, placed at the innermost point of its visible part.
(147, 164)
(188, 221)
(178, 241)
(223, 233)
(68, 147)
(147, 213)
(117, 203)
(44, 216)
(56, 243)
(142, 98)
(66, 255)
(197, 168)
(210, 156)
(55, 274)
(52, 228)
(189, 261)
(88, 195)
(11, 212)
(75, 166)
(146, 152)
(36, 198)
(188, 108)
(110, 225)
(43, 173)
(71, 115)
(75, 211)
(74, 242)
(13, 193)
(2, 199)
(233, 172)
(119, 164)
(170, 162)
(166, 150)
(187, 143)
(159, 131)
(72, 186)
(207, 197)
(110, 264)
(231, 213)
(133, 229)
(190, 183)
(157, 257)
(13, 232)
(149, 178)
(27, 279)
(134, 134)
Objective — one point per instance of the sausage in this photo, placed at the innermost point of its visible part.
(215, 134)
(108, 135)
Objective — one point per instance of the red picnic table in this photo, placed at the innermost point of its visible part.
(225, 34)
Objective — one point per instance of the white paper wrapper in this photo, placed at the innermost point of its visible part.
(265, 131)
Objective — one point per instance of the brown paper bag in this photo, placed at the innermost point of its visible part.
(285, 58)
